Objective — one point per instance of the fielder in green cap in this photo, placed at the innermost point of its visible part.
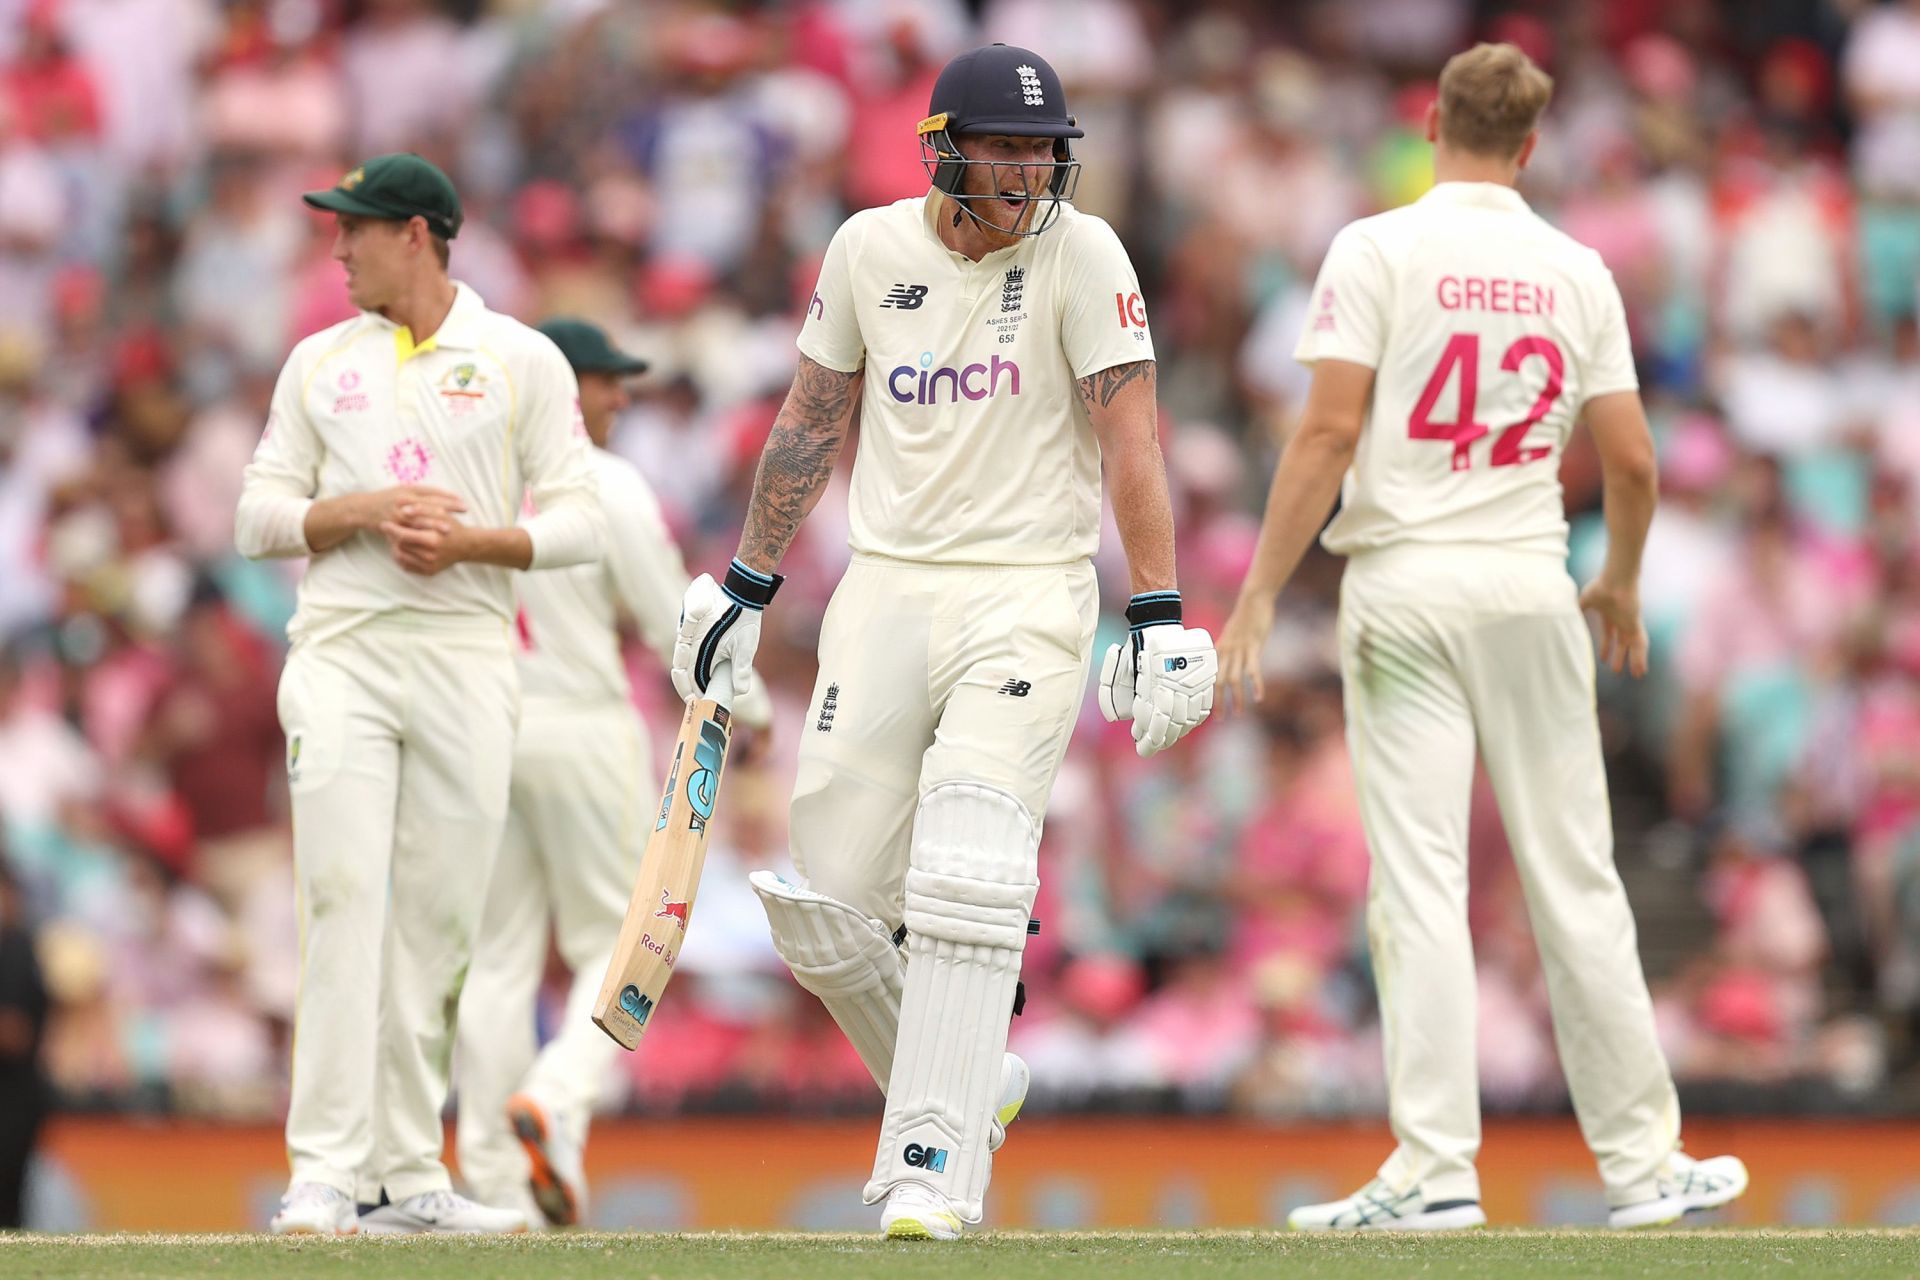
(601, 368)
(415, 454)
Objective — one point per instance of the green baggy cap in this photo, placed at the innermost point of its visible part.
(396, 187)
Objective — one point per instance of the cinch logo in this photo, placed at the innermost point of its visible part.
(1176, 664)
(932, 1159)
(635, 1005)
(976, 381)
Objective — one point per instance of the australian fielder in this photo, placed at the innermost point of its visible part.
(993, 341)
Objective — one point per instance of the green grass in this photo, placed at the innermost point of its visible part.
(1160, 1255)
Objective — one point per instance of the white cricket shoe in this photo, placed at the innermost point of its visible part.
(556, 1173)
(915, 1212)
(1015, 1079)
(315, 1209)
(441, 1213)
(1685, 1185)
(1378, 1207)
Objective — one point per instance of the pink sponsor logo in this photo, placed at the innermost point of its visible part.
(928, 385)
(408, 462)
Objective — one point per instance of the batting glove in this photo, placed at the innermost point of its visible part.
(721, 620)
(1162, 677)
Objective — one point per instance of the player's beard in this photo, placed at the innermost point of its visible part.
(1004, 221)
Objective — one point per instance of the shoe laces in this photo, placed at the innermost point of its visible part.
(439, 1203)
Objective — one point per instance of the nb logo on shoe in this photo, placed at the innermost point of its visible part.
(932, 1159)
(1176, 664)
(1016, 688)
(905, 297)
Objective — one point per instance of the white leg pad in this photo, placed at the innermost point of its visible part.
(970, 887)
(845, 958)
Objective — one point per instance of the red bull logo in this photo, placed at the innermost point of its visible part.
(676, 911)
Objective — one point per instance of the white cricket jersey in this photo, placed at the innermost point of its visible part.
(487, 408)
(974, 444)
(1487, 330)
(567, 628)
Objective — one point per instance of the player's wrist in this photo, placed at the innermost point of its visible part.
(1148, 609)
(749, 588)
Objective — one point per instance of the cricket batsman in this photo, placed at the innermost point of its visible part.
(577, 823)
(398, 451)
(1454, 344)
(993, 341)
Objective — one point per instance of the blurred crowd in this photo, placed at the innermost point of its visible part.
(673, 170)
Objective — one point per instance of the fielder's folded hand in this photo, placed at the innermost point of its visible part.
(721, 620)
(1162, 678)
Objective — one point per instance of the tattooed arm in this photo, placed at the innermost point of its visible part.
(1121, 404)
(797, 460)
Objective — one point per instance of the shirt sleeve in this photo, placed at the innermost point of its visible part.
(551, 439)
(831, 333)
(277, 488)
(649, 577)
(1609, 366)
(1103, 318)
(1347, 316)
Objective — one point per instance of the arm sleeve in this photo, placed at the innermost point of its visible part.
(831, 333)
(1103, 319)
(649, 577)
(1609, 364)
(551, 440)
(1347, 316)
(278, 486)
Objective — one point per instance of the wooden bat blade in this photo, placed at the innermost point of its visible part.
(663, 892)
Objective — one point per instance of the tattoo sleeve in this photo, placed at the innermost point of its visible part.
(1099, 389)
(798, 458)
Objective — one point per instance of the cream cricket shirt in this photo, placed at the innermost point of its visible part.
(486, 408)
(1487, 329)
(974, 445)
(566, 630)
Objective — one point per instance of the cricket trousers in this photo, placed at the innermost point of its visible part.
(582, 779)
(932, 674)
(1445, 648)
(399, 747)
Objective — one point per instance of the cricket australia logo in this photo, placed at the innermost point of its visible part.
(1030, 86)
(906, 297)
(1011, 288)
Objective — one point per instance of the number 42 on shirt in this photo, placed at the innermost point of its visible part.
(1463, 354)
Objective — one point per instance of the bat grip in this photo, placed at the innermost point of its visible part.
(720, 683)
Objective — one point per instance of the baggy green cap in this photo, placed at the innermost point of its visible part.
(588, 349)
(396, 187)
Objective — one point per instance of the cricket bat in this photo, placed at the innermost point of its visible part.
(662, 902)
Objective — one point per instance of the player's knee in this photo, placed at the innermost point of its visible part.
(975, 867)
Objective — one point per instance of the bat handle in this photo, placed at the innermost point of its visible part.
(720, 684)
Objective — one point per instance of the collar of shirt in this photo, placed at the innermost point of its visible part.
(1476, 195)
(460, 331)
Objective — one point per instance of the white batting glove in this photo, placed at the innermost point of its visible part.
(721, 621)
(1162, 678)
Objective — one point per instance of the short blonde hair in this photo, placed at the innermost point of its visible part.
(1491, 97)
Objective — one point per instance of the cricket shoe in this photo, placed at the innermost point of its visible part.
(1685, 1185)
(915, 1212)
(441, 1213)
(1378, 1207)
(555, 1172)
(315, 1209)
(1015, 1079)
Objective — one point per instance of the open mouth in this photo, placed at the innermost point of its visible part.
(1016, 199)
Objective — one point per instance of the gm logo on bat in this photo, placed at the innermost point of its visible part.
(703, 783)
(635, 1005)
(1176, 664)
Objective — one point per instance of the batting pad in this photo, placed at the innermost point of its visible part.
(845, 958)
(970, 887)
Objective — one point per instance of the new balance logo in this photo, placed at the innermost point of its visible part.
(907, 297)
(1016, 688)
(932, 1159)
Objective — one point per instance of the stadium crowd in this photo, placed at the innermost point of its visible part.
(672, 170)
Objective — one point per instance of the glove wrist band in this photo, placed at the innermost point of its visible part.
(1153, 609)
(749, 588)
